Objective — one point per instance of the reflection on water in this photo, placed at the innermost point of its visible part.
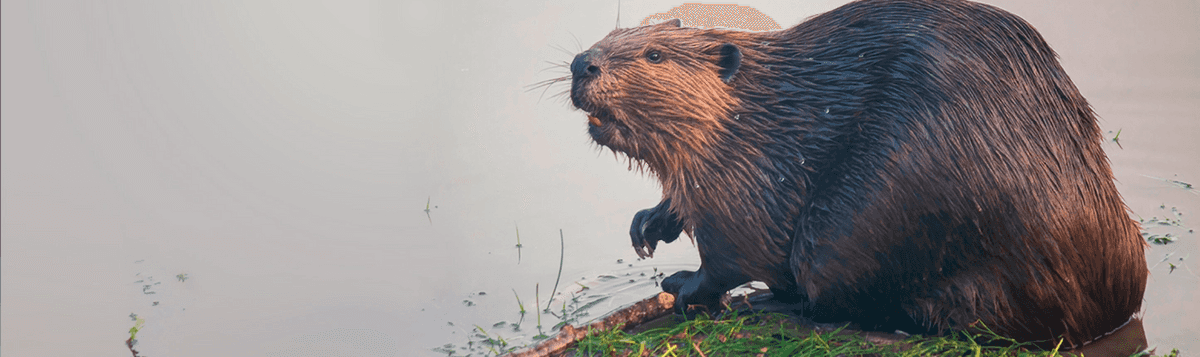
(277, 153)
(580, 302)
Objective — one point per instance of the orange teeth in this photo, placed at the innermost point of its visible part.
(594, 120)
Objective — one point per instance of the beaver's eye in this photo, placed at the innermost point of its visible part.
(654, 56)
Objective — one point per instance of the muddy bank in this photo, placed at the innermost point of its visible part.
(655, 312)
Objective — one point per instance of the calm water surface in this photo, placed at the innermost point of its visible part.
(282, 155)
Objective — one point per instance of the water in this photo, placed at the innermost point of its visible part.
(281, 154)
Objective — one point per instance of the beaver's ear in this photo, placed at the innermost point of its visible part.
(729, 62)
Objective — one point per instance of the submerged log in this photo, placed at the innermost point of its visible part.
(641, 312)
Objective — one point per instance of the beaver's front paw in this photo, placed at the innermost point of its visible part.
(653, 225)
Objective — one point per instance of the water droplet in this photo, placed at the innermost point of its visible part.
(737, 117)
(827, 110)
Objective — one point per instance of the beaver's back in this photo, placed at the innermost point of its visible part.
(974, 156)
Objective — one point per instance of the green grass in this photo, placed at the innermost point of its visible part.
(762, 334)
(522, 306)
(561, 255)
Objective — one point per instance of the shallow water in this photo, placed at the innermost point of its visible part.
(282, 155)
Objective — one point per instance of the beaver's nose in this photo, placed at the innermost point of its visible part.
(582, 66)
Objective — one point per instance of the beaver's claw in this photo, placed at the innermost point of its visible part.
(653, 225)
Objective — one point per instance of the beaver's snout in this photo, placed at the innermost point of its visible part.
(583, 69)
(582, 66)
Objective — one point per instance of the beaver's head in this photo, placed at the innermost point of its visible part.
(655, 92)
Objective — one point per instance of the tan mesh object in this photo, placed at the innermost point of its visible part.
(717, 15)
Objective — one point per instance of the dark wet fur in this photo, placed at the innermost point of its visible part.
(920, 165)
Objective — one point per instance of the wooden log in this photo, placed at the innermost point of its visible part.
(640, 312)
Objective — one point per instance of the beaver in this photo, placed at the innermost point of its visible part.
(922, 165)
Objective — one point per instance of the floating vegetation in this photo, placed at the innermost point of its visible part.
(1181, 184)
(1171, 266)
(427, 215)
(1164, 222)
(537, 297)
(137, 326)
(1117, 138)
(1161, 239)
(497, 345)
(1172, 220)
(518, 245)
(182, 277)
(519, 304)
(577, 303)
(561, 255)
(447, 349)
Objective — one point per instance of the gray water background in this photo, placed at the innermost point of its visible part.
(281, 153)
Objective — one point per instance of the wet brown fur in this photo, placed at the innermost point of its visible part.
(927, 155)
(684, 142)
